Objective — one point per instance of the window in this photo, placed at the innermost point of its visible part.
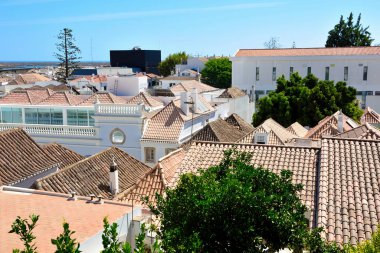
(345, 77)
(169, 150)
(365, 73)
(31, 116)
(359, 93)
(257, 73)
(11, 115)
(291, 69)
(274, 74)
(369, 93)
(45, 116)
(327, 73)
(377, 93)
(150, 154)
(308, 70)
(261, 138)
(117, 136)
(80, 117)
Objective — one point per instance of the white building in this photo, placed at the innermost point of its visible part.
(194, 63)
(357, 66)
(141, 126)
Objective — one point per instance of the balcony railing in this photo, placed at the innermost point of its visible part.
(119, 109)
(75, 131)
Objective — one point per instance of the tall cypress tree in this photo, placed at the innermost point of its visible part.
(67, 54)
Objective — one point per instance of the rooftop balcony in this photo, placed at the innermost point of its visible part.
(119, 110)
(51, 130)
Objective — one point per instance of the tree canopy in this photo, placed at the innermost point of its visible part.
(306, 100)
(67, 54)
(217, 72)
(167, 66)
(273, 43)
(349, 34)
(232, 207)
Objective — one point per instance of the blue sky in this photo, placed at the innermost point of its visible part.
(28, 28)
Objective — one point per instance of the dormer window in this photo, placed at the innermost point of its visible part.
(261, 138)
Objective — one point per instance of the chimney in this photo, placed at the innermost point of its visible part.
(114, 177)
(194, 95)
(185, 103)
(340, 122)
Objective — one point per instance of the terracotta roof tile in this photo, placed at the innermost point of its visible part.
(21, 157)
(365, 131)
(146, 99)
(300, 160)
(93, 79)
(297, 129)
(62, 98)
(165, 125)
(239, 123)
(29, 78)
(62, 154)
(349, 195)
(104, 98)
(232, 92)
(370, 116)
(28, 97)
(219, 131)
(309, 51)
(86, 219)
(329, 126)
(190, 85)
(277, 134)
(91, 175)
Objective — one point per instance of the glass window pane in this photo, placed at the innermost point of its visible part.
(6, 115)
(43, 116)
(91, 120)
(72, 118)
(56, 117)
(16, 115)
(31, 116)
(82, 118)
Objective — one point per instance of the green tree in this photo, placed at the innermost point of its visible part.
(217, 73)
(64, 242)
(67, 54)
(349, 34)
(24, 229)
(232, 207)
(110, 239)
(368, 246)
(167, 66)
(306, 100)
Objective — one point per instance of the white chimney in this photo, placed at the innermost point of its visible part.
(340, 122)
(194, 95)
(114, 177)
(185, 103)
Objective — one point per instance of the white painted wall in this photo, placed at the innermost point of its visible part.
(244, 70)
(114, 71)
(192, 63)
(127, 85)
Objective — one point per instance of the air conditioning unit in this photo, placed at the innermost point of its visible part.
(261, 138)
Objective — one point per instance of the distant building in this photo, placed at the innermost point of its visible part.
(357, 66)
(145, 60)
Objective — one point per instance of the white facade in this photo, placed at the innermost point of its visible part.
(129, 85)
(194, 63)
(358, 71)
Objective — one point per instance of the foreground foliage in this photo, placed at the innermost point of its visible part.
(218, 73)
(24, 229)
(232, 207)
(306, 100)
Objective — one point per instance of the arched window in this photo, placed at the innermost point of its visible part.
(117, 136)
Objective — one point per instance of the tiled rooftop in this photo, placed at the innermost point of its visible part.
(62, 98)
(165, 125)
(277, 134)
(190, 85)
(365, 131)
(92, 79)
(86, 219)
(349, 195)
(322, 51)
(156, 180)
(145, 99)
(239, 123)
(91, 175)
(297, 129)
(62, 154)
(28, 78)
(27, 97)
(370, 116)
(21, 157)
(329, 126)
(103, 98)
(232, 92)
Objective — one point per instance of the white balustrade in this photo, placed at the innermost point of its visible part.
(53, 130)
(118, 109)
